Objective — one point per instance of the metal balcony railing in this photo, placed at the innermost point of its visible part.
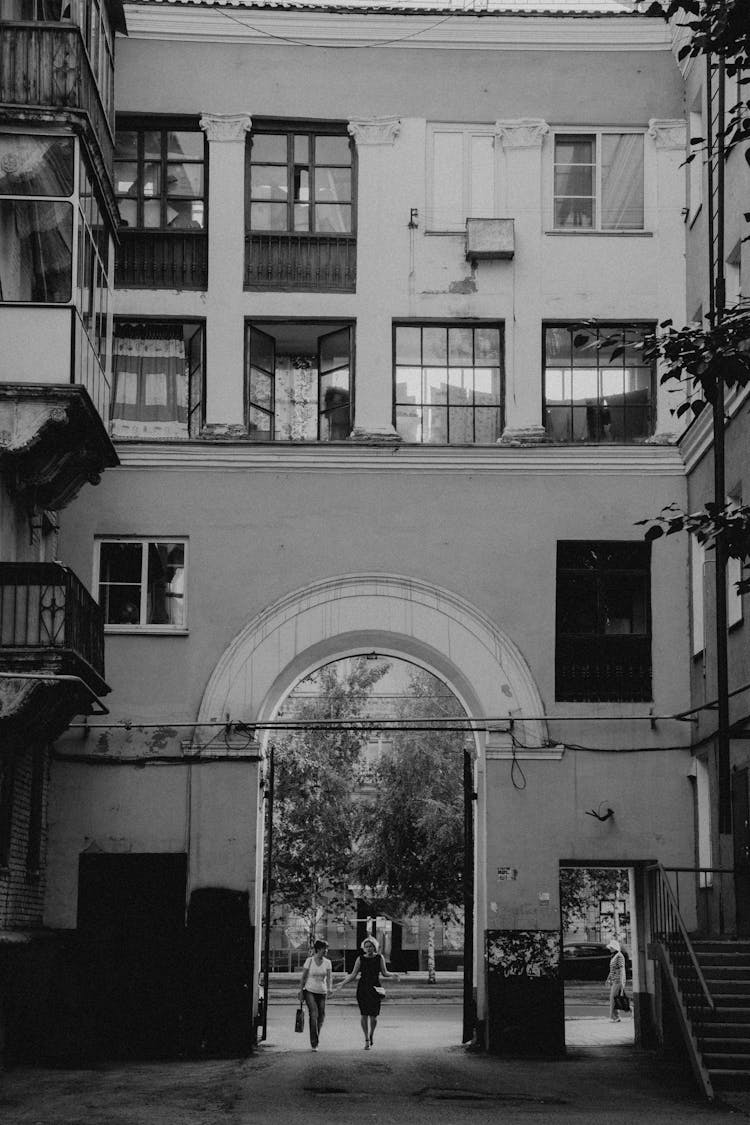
(149, 259)
(301, 261)
(45, 610)
(45, 66)
(604, 668)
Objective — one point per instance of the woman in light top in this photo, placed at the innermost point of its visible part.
(369, 968)
(616, 977)
(314, 987)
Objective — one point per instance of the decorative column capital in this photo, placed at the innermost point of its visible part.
(226, 126)
(375, 130)
(669, 133)
(522, 132)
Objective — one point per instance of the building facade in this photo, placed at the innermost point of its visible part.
(374, 388)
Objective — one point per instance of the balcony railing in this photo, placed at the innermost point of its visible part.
(603, 669)
(48, 618)
(45, 66)
(162, 260)
(301, 261)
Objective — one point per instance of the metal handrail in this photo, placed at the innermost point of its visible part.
(664, 889)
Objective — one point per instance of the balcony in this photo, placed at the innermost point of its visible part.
(301, 261)
(161, 260)
(51, 651)
(602, 669)
(44, 66)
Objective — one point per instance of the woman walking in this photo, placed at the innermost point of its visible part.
(615, 978)
(314, 987)
(369, 967)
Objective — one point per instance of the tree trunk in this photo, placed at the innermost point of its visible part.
(431, 978)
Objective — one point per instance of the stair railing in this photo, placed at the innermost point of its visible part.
(675, 951)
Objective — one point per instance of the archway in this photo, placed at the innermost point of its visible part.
(396, 616)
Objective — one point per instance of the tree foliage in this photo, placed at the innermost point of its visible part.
(411, 843)
(584, 887)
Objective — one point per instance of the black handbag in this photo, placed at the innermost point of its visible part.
(622, 1003)
(299, 1019)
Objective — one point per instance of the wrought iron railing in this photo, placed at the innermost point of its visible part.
(301, 261)
(45, 608)
(603, 668)
(668, 931)
(148, 259)
(45, 66)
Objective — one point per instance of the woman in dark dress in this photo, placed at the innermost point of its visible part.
(369, 967)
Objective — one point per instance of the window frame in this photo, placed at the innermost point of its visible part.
(468, 131)
(144, 540)
(140, 124)
(290, 128)
(597, 132)
(447, 323)
(603, 328)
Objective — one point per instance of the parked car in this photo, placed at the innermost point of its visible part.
(588, 960)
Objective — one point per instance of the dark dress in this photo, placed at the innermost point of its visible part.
(369, 979)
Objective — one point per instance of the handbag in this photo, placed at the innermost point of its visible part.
(622, 1003)
(380, 991)
(299, 1018)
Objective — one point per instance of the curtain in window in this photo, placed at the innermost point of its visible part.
(150, 392)
(296, 398)
(622, 181)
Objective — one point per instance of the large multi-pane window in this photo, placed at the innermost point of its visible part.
(448, 383)
(157, 372)
(597, 386)
(141, 583)
(603, 621)
(598, 181)
(160, 175)
(37, 180)
(300, 181)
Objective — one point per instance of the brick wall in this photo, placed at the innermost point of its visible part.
(22, 887)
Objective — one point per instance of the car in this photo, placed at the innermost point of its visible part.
(588, 960)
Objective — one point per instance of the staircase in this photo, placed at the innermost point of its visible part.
(724, 1034)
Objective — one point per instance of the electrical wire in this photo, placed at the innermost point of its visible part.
(338, 46)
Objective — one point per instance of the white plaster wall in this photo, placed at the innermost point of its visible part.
(35, 344)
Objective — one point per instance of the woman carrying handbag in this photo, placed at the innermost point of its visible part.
(314, 987)
(616, 980)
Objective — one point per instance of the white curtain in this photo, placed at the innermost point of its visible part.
(150, 393)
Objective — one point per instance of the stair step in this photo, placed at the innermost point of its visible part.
(726, 1061)
(721, 988)
(726, 972)
(717, 1029)
(729, 1079)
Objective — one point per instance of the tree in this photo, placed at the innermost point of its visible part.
(412, 838)
(584, 887)
(317, 774)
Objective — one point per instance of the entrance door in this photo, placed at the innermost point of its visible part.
(741, 828)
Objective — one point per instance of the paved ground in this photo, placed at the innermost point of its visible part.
(417, 1074)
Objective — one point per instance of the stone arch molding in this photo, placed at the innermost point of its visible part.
(390, 614)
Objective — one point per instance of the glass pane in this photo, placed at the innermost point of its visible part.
(408, 345)
(152, 213)
(126, 144)
(636, 423)
(623, 604)
(301, 149)
(36, 165)
(335, 218)
(557, 385)
(559, 423)
(585, 351)
(152, 145)
(36, 258)
(574, 213)
(301, 216)
(128, 211)
(334, 350)
(187, 144)
(269, 147)
(333, 387)
(460, 346)
(575, 180)
(259, 424)
(435, 425)
(622, 181)
(165, 584)
(460, 386)
(580, 426)
(461, 424)
(332, 150)
(333, 184)
(409, 384)
(574, 150)
(487, 426)
(121, 605)
(487, 347)
(301, 184)
(486, 385)
(185, 213)
(185, 179)
(335, 405)
(435, 385)
(612, 384)
(268, 216)
(576, 603)
(598, 422)
(557, 346)
(261, 389)
(584, 385)
(262, 350)
(268, 182)
(633, 352)
(151, 179)
(435, 346)
(120, 562)
(638, 385)
(409, 423)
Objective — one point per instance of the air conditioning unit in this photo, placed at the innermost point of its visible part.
(489, 238)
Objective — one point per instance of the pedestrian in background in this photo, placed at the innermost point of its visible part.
(369, 967)
(616, 977)
(314, 987)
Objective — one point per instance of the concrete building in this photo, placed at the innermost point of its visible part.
(355, 410)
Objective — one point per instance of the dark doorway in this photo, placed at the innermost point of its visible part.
(741, 826)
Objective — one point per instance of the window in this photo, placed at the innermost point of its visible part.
(298, 381)
(598, 181)
(36, 218)
(141, 583)
(448, 381)
(300, 181)
(697, 588)
(461, 164)
(157, 373)
(160, 175)
(734, 575)
(596, 391)
(93, 282)
(603, 635)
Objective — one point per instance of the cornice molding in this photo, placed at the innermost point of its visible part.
(222, 456)
(226, 126)
(404, 31)
(668, 134)
(522, 132)
(375, 130)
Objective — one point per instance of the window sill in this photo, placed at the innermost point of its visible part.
(583, 233)
(140, 630)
